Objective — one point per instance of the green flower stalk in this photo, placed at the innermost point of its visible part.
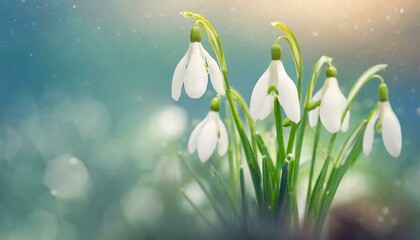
(275, 176)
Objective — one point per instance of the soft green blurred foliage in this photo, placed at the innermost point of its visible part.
(89, 133)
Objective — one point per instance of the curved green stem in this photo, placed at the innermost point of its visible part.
(238, 98)
(279, 132)
(314, 78)
(350, 152)
(369, 74)
(311, 171)
(250, 155)
(233, 172)
(297, 59)
(315, 199)
(295, 49)
(307, 106)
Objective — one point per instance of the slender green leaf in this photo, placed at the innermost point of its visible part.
(243, 201)
(198, 210)
(279, 130)
(225, 191)
(264, 151)
(267, 188)
(216, 208)
(360, 82)
(313, 158)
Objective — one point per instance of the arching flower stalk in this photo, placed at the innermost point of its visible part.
(275, 178)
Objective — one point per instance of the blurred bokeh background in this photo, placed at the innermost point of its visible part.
(89, 133)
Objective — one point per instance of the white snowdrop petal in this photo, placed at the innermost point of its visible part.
(223, 144)
(288, 94)
(259, 97)
(368, 136)
(179, 75)
(196, 74)
(192, 142)
(314, 113)
(216, 76)
(207, 139)
(331, 108)
(391, 130)
(266, 108)
(346, 122)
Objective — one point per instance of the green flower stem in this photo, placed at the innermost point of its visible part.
(292, 137)
(351, 138)
(211, 36)
(238, 98)
(225, 191)
(267, 188)
(369, 74)
(314, 78)
(216, 208)
(313, 158)
(243, 201)
(316, 195)
(307, 107)
(250, 155)
(294, 168)
(238, 153)
(336, 176)
(295, 49)
(284, 189)
(297, 59)
(279, 132)
(264, 151)
(350, 151)
(233, 173)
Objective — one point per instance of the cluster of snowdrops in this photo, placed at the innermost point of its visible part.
(274, 174)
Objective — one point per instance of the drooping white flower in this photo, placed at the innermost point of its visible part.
(206, 135)
(193, 70)
(333, 104)
(385, 121)
(275, 81)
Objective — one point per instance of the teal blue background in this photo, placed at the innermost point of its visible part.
(112, 61)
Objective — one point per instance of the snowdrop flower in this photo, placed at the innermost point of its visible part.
(385, 121)
(333, 104)
(275, 81)
(209, 133)
(192, 71)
